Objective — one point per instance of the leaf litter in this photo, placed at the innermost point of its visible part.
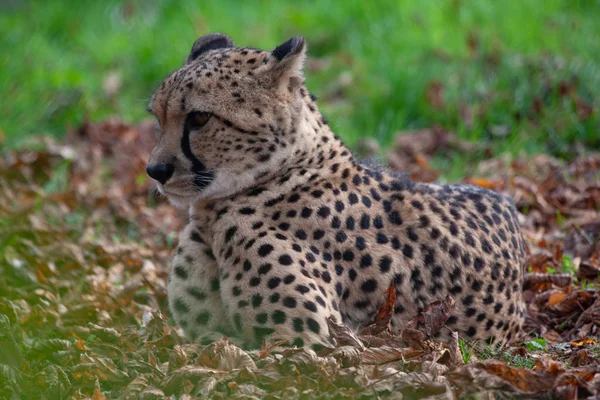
(85, 243)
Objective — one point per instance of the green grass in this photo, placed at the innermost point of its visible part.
(379, 59)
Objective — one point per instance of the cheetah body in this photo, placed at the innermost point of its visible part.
(287, 229)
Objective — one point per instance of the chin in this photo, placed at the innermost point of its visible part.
(182, 201)
(227, 184)
(179, 200)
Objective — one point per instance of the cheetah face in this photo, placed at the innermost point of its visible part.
(226, 118)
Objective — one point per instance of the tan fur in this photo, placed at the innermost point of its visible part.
(291, 229)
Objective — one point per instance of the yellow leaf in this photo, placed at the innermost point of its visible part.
(583, 342)
(80, 344)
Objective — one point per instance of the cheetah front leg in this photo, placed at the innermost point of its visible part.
(193, 290)
(278, 294)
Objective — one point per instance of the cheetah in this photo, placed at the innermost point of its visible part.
(288, 229)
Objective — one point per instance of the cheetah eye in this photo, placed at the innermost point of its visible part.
(197, 119)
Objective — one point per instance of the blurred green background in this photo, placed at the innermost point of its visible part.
(519, 75)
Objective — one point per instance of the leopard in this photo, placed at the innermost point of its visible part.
(288, 232)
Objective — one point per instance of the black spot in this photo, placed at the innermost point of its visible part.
(318, 234)
(385, 264)
(313, 325)
(261, 318)
(454, 251)
(302, 289)
(348, 255)
(306, 212)
(289, 302)
(336, 222)
(181, 272)
(298, 325)
(229, 234)
(181, 306)
(412, 235)
(365, 222)
(278, 317)
(310, 306)
(341, 237)
(369, 286)
(395, 218)
(254, 281)
(203, 318)
(417, 204)
(196, 293)
(265, 250)
(352, 274)
(324, 212)
(300, 234)
(261, 333)
(366, 201)
(366, 261)
(467, 300)
(453, 229)
(247, 211)
(478, 264)
(360, 243)
(382, 238)
(285, 259)
(257, 300)
(195, 236)
(264, 269)
(407, 250)
(350, 223)
(273, 282)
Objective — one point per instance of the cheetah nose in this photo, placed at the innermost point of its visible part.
(160, 172)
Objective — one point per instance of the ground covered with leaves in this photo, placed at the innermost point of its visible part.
(84, 252)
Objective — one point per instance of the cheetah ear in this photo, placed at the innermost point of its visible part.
(210, 41)
(288, 62)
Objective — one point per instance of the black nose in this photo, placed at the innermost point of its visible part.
(160, 172)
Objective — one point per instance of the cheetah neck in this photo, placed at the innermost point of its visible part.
(317, 153)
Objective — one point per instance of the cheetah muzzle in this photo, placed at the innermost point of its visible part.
(287, 229)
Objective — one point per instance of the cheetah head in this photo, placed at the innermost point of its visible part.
(226, 119)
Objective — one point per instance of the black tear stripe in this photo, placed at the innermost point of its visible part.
(203, 177)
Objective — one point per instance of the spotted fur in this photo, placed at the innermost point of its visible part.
(287, 229)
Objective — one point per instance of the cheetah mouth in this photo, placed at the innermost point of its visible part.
(186, 189)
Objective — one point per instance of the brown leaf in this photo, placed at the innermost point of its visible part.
(384, 315)
(539, 281)
(386, 354)
(267, 347)
(434, 316)
(435, 94)
(415, 338)
(577, 300)
(587, 271)
(343, 335)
